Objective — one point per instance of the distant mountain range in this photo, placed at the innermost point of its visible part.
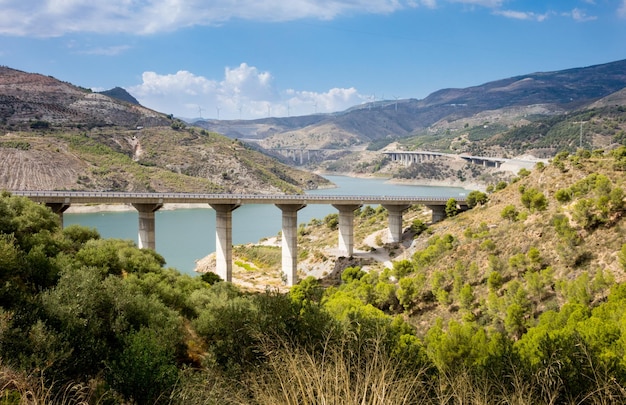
(547, 92)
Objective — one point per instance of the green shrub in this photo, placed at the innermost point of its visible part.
(475, 198)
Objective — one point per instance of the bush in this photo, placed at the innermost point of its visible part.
(332, 221)
(509, 212)
(418, 227)
(451, 208)
(534, 200)
(475, 198)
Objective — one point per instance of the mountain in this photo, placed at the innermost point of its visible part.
(120, 94)
(56, 136)
(26, 98)
(549, 92)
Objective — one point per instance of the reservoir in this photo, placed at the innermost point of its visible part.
(186, 235)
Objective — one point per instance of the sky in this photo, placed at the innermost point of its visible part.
(249, 59)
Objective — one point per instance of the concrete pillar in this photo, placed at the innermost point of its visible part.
(438, 212)
(147, 234)
(395, 221)
(346, 228)
(290, 241)
(224, 240)
(59, 209)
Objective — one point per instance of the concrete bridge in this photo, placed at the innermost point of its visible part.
(410, 157)
(147, 204)
(303, 155)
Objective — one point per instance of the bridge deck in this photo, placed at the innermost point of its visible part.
(88, 197)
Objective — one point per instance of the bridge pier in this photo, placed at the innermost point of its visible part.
(395, 220)
(59, 209)
(290, 241)
(438, 213)
(346, 228)
(224, 240)
(147, 234)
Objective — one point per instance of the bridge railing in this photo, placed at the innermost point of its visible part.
(242, 198)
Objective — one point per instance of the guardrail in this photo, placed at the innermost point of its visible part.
(199, 198)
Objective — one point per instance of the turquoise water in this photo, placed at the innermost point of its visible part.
(186, 235)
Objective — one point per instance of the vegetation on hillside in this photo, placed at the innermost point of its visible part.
(151, 159)
(520, 300)
(539, 134)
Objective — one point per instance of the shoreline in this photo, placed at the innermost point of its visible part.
(414, 182)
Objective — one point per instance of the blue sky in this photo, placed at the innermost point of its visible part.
(248, 59)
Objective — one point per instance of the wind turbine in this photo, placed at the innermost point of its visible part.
(396, 97)
(218, 113)
(315, 106)
(200, 111)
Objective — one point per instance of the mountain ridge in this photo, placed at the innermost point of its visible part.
(557, 92)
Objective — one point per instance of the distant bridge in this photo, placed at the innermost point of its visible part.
(410, 157)
(305, 155)
(224, 204)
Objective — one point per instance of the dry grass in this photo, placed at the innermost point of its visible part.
(335, 376)
(21, 389)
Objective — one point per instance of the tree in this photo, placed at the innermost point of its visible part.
(534, 199)
(510, 212)
(475, 198)
(451, 208)
(418, 227)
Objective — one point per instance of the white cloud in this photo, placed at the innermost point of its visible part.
(106, 51)
(483, 3)
(522, 15)
(46, 18)
(621, 11)
(580, 15)
(244, 92)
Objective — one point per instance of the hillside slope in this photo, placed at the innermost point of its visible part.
(57, 136)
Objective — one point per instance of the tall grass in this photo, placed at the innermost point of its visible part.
(338, 375)
(17, 388)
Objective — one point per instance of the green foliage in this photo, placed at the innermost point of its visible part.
(332, 221)
(451, 208)
(210, 278)
(501, 185)
(418, 226)
(534, 200)
(21, 145)
(437, 245)
(402, 268)
(410, 290)
(145, 369)
(475, 198)
(351, 273)
(510, 212)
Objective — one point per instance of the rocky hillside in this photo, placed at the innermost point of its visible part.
(57, 136)
(33, 100)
